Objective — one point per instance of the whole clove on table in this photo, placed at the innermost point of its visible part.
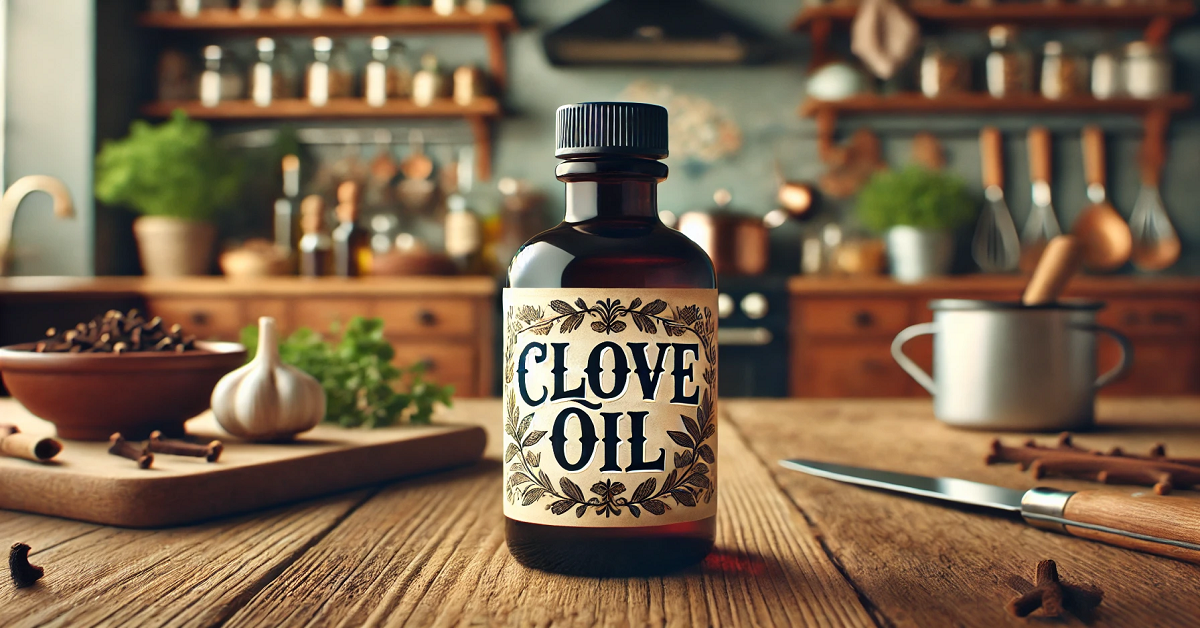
(117, 332)
(23, 573)
(118, 446)
(1066, 459)
(159, 445)
(1056, 596)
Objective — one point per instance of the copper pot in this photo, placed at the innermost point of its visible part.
(737, 243)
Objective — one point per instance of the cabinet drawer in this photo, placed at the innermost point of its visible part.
(205, 318)
(439, 317)
(851, 369)
(1153, 317)
(1160, 367)
(859, 317)
(446, 363)
(319, 314)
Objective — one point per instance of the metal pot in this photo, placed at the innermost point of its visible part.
(737, 243)
(1002, 365)
(917, 254)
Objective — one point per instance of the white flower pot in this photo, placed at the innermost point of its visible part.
(918, 254)
(174, 247)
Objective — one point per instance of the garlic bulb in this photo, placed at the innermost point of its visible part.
(267, 399)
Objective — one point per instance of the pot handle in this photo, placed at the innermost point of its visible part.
(906, 363)
(1123, 364)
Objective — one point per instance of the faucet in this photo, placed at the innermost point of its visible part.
(63, 207)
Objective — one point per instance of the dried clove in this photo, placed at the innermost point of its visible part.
(14, 444)
(23, 573)
(1066, 459)
(1055, 596)
(118, 446)
(159, 445)
(115, 332)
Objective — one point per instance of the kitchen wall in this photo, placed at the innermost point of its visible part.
(763, 100)
(49, 101)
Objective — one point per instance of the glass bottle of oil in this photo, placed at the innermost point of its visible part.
(316, 247)
(352, 254)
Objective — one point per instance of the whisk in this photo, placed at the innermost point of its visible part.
(996, 247)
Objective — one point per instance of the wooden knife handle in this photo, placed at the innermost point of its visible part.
(1093, 155)
(1039, 154)
(990, 157)
(1163, 516)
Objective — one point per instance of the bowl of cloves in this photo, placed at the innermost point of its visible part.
(120, 372)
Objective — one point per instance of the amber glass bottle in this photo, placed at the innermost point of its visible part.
(352, 255)
(610, 365)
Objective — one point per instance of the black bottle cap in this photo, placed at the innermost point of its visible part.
(597, 129)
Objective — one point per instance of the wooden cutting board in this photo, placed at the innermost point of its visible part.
(84, 482)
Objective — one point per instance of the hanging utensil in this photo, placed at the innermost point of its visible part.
(996, 247)
(1058, 264)
(1042, 225)
(417, 165)
(1107, 242)
(1155, 243)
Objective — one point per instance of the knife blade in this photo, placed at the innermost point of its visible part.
(1157, 524)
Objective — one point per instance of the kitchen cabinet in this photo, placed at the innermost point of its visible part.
(443, 322)
(841, 331)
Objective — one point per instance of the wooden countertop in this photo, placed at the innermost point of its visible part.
(792, 550)
(274, 286)
(992, 285)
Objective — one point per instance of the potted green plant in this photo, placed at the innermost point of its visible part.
(918, 210)
(178, 178)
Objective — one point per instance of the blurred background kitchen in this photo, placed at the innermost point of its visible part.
(832, 157)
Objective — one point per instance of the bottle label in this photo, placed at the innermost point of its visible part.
(610, 399)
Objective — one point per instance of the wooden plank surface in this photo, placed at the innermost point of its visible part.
(919, 563)
(431, 553)
(792, 550)
(86, 483)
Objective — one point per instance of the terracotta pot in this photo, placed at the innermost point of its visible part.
(174, 247)
(88, 396)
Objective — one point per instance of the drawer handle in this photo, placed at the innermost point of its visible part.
(1167, 318)
(199, 318)
(864, 319)
(427, 318)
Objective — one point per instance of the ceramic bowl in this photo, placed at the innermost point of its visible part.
(88, 396)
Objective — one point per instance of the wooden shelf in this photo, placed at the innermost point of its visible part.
(342, 108)
(910, 103)
(335, 22)
(478, 115)
(1018, 13)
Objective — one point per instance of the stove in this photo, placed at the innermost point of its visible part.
(753, 336)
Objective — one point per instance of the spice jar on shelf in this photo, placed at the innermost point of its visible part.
(357, 7)
(330, 74)
(221, 80)
(251, 8)
(428, 83)
(192, 8)
(1064, 74)
(1009, 66)
(1106, 75)
(273, 76)
(943, 73)
(175, 78)
(1147, 70)
(468, 84)
(388, 74)
(444, 7)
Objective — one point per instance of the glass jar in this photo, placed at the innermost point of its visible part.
(273, 76)
(192, 8)
(443, 7)
(388, 74)
(221, 80)
(357, 7)
(251, 8)
(468, 84)
(943, 73)
(1009, 66)
(330, 74)
(428, 83)
(1064, 75)
(176, 81)
(1106, 75)
(1147, 70)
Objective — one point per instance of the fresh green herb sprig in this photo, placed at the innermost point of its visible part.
(362, 386)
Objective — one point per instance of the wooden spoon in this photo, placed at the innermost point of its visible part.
(1058, 264)
(1107, 243)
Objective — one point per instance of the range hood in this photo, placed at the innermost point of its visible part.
(655, 32)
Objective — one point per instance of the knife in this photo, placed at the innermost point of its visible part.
(1142, 521)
